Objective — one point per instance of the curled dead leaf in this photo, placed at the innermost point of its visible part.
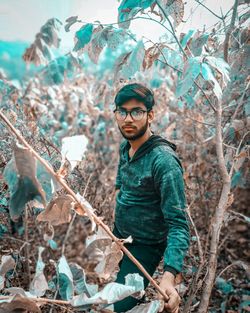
(58, 211)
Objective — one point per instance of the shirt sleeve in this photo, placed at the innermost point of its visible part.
(118, 182)
(169, 184)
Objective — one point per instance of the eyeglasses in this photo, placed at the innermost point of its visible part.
(136, 114)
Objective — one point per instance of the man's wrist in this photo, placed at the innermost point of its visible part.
(170, 269)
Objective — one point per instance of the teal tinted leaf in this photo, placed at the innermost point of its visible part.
(53, 245)
(224, 286)
(134, 61)
(220, 65)
(26, 186)
(39, 283)
(187, 37)
(112, 292)
(129, 8)
(79, 280)
(66, 288)
(191, 72)
(197, 44)
(238, 180)
(207, 74)
(247, 108)
(172, 57)
(3, 230)
(83, 36)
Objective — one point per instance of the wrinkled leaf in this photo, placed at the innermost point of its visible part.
(79, 280)
(58, 211)
(112, 292)
(173, 8)
(108, 267)
(18, 303)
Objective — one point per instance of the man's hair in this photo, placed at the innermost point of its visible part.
(135, 91)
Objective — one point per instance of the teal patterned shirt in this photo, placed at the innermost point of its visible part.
(151, 204)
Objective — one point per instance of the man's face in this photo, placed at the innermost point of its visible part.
(132, 129)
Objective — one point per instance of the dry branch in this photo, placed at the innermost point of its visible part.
(97, 220)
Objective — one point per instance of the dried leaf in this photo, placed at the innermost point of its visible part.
(173, 8)
(39, 283)
(7, 263)
(70, 21)
(18, 303)
(58, 211)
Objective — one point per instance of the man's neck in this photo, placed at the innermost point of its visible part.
(135, 144)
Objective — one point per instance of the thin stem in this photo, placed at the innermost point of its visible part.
(172, 28)
(228, 34)
(219, 17)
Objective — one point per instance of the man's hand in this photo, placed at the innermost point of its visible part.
(168, 285)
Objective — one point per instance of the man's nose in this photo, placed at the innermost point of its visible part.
(128, 116)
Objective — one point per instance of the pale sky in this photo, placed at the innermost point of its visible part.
(22, 19)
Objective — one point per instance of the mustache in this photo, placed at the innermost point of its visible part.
(128, 125)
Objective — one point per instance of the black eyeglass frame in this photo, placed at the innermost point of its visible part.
(129, 112)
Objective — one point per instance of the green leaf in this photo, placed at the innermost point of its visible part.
(83, 36)
(191, 72)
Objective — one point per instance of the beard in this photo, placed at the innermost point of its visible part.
(137, 134)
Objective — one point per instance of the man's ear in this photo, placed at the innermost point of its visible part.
(151, 116)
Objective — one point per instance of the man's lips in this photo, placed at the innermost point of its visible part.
(128, 128)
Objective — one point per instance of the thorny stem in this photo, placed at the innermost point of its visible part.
(96, 219)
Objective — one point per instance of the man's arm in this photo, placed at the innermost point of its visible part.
(169, 184)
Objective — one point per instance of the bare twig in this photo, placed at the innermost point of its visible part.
(26, 234)
(97, 220)
(202, 4)
(219, 215)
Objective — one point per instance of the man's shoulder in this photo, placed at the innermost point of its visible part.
(164, 156)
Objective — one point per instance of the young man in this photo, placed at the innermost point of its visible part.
(150, 198)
